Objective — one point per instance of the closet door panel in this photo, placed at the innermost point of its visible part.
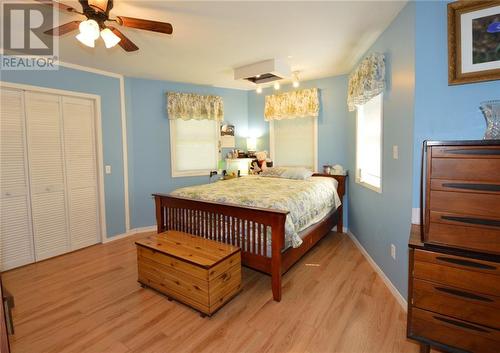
(49, 224)
(47, 180)
(16, 239)
(81, 173)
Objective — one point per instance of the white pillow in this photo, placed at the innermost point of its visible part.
(273, 172)
(297, 173)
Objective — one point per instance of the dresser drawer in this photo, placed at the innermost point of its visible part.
(462, 304)
(475, 275)
(466, 169)
(466, 232)
(466, 186)
(466, 152)
(454, 332)
(485, 205)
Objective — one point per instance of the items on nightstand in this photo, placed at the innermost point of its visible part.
(336, 169)
(233, 165)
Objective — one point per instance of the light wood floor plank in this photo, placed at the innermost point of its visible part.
(89, 301)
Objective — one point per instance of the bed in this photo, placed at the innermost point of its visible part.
(274, 221)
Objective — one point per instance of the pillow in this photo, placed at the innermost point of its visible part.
(273, 172)
(298, 173)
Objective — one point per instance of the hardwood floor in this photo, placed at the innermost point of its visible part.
(90, 301)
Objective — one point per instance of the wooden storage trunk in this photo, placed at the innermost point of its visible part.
(201, 273)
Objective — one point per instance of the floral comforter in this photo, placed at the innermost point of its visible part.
(308, 201)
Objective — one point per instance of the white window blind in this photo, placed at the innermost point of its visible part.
(293, 142)
(369, 143)
(194, 146)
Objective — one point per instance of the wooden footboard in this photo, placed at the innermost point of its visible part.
(250, 228)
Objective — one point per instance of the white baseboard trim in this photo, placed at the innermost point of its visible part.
(400, 299)
(415, 215)
(131, 232)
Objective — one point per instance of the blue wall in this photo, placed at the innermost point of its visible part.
(442, 112)
(332, 121)
(109, 90)
(380, 219)
(149, 139)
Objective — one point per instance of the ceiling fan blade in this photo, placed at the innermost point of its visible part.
(125, 43)
(147, 25)
(57, 5)
(65, 28)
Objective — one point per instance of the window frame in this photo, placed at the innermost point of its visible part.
(357, 178)
(315, 141)
(195, 172)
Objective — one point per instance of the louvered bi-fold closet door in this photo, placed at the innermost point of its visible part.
(81, 174)
(47, 177)
(16, 238)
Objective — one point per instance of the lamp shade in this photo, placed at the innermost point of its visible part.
(110, 39)
(252, 144)
(89, 32)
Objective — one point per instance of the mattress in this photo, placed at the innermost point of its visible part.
(307, 201)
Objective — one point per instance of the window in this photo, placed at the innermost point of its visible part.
(194, 146)
(369, 144)
(294, 142)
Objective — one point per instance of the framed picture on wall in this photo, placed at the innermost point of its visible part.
(473, 41)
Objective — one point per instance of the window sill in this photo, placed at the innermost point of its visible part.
(369, 186)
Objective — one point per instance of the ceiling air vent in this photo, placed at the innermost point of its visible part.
(263, 71)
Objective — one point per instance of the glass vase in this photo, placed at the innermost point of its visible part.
(491, 112)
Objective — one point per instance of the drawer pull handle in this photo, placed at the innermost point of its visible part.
(480, 152)
(465, 263)
(461, 324)
(477, 187)
(471, 220)
(460, 293)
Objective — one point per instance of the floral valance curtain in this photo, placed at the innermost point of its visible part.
(189, 106)
(290, 105)
(366, 81)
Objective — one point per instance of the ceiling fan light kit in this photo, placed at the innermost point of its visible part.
(89, 32)
(110, 39)
(97, 13)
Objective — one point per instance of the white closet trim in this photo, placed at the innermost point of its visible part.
(98, 130)
(121, 79)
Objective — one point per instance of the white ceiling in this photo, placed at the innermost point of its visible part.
(319, 39)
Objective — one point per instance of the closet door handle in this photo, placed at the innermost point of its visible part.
(475, 187)
(472, 220)
(466, 263)
(461, 324)
(463, 294)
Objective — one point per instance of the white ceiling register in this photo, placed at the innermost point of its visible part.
(190, 106)
(290, 105)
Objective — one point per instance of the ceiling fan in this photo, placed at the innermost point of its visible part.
(97, 13)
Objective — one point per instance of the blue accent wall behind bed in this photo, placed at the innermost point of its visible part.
(149, 139)
(332, 121)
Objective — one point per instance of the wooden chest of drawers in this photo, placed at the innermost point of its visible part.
(201, 273)
(454, 269)
(463, 195)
